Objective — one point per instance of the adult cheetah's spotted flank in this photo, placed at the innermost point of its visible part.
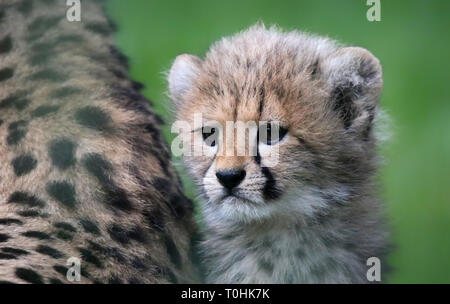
(83, 170)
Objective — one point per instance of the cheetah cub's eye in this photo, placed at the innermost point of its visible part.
(271, 134)
(209, 136)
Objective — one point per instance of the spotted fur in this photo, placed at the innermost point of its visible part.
(82, 157)
(314, 217)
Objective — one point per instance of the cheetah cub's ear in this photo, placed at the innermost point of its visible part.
(182, 75)
(354, 79)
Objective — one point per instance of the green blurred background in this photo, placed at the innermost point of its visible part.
(413, 43)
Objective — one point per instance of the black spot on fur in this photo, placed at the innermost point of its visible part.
(25, 7)
(62, 153)
(50, 75)
(270, 190)
(29, 276)
(43, 111)
(6, 74)
(10, 221)
(114, 280)
(15, 100)
(5, 282)
(124, 236)
(17, 131)
(63, 192)
(24, 164)
(27, 199)
(118, 234)
(172, 251)
(6, 44)
(89, 257)
(37, 235)
(4, 237)
(6, 256)
(29, 213)
(99, 167)
(342, 98)
(119, 56)
(55, 281)
(65, 226)
(40, 25)
(14, 251)
(61, 270)
(99, 28)
(266, 265)
(89, 226)
(64, 92)
(93, 118)
(135, 281)
(22, 104)
(51, 252)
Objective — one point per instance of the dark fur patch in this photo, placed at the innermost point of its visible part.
(44, 110)
(51, 252)
(63, 235)
(6, 74)
(64, 92)
(65, 226)
(55, 281)
(14, 251)
(90, 227)
(48, 74)
(6, 45)
(99, 28)
(23, 198)
(4, 237)
(24, 164)
(29, 276)
(63, 192)
(124, 236)
(342, 98)
(29, 213)
(40, 25)
(7, 256)
(99, 167)
(155, 219)
(266, 265)
(61, 270)
(62, 153)
(89, 257)
(10, 221)
(25, 7)
(17, 101)
(37, 235)
(270, 190)
(93, 118)
(17, 131)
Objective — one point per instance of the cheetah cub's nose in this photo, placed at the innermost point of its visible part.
(230, 178)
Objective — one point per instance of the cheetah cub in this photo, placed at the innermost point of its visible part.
(313, 215)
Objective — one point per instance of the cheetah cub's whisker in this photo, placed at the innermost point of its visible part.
(314, 217)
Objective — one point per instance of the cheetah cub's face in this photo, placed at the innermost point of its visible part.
(313, 104)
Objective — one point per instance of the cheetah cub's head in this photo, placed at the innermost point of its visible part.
(308, 107)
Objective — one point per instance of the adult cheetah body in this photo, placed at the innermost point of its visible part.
(84, 172)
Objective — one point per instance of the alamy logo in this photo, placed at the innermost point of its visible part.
(74, 10)
(374, 12)
(374, 272)
(74, 272)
